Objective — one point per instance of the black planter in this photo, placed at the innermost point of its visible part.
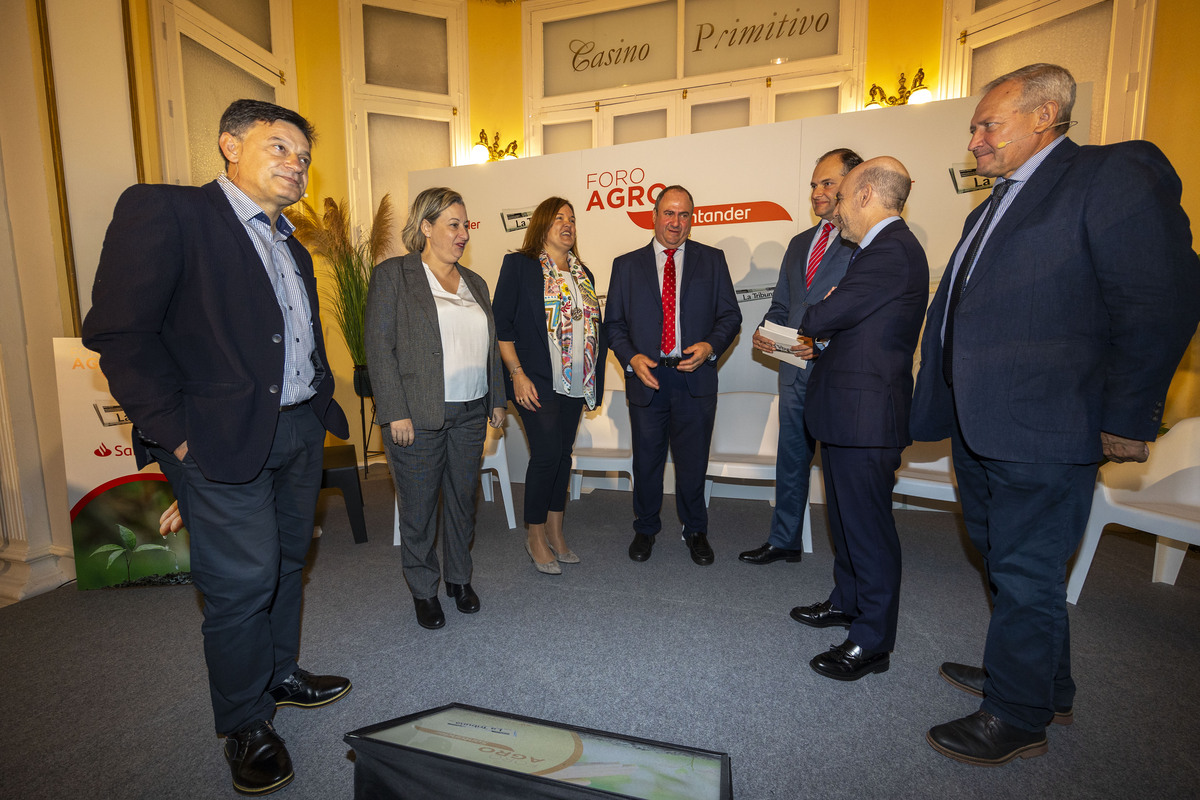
(362, 381)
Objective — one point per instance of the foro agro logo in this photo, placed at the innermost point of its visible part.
(625, 188)
(104, 451)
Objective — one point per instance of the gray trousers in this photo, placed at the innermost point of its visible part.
(439, 464)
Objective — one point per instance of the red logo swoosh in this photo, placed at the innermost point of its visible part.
(102, 450)
(727, 214)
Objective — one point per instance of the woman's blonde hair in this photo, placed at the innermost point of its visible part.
(428, 205)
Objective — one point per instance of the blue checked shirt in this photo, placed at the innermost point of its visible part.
(271, 245)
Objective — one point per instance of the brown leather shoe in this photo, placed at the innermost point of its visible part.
(985, 740)
(970, 679)
(259, 762)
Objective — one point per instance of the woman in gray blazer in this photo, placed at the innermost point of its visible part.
(435, 369)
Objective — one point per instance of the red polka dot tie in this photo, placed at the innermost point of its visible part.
(668, 302)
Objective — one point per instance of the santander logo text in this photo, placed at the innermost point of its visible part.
(103, 451)
(628, 189)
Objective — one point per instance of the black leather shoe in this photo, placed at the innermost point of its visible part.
(464, 597)
(429, 613)
(306, 690)
(698, 546)
(821, 615)
(848, 662)
(768, 553)
(640, 547)
(970, 679)
(258, 760)
(985, 740)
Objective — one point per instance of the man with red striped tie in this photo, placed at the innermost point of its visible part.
(814, 263)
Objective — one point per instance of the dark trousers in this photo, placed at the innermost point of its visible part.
(439, 463)
(248, 544)
(1025, 520)
(792, 466)
(866, 559)
(551, 430)
(675, 419)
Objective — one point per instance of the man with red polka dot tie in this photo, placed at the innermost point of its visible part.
(671, 313)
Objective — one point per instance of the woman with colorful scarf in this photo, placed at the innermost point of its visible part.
(553, 349)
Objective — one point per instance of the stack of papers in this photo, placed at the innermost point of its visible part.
(785, 339)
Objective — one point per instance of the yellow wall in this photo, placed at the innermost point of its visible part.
(902, 37)
(497, 98)
(1172, 117)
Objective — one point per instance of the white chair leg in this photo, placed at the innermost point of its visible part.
(486, 478)
(1087, 550)
(806, 534)
(396, 533)
(707, 491)
(506, 492)
(1168, 557)
(576, 484)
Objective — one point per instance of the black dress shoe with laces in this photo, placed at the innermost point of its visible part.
(464, 597)
(768, 553)
(985, 740)
(821, 615)
(258, 760)
(698, 546)
(848, 662)
(970, 679)
(306, 690)
(429, 613)
(641, 546)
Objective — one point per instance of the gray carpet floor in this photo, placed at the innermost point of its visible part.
(109, 696)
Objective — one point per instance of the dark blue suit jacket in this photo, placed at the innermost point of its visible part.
(520, 311)
(708, 312)
(190, 333)
(1076, 315)
(860, 392)
(792, 298)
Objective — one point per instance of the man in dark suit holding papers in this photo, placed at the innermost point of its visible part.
(1051, 342)
(858, 402)
(814, 263)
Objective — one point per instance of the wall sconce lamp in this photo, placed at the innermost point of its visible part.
(484, 151)
(919, 93)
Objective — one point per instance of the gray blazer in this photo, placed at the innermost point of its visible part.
(404, 344)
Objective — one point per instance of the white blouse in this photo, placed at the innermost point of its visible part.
(464, 330)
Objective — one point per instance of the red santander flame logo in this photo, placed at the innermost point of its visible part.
(729, 214)
(102, 450)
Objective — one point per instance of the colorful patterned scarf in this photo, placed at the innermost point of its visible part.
(561, 314)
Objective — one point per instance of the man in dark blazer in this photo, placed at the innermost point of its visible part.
(671, 313)
(204, 312)
(859, 398)
(814, 263)
(1050, 342)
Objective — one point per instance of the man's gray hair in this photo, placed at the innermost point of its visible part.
(892, 186)
(1041, 83)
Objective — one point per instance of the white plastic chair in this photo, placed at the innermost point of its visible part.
(604, 442)
(495, 458)
(1160, 496)
(745, 439)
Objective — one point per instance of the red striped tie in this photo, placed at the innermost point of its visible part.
(818, 253)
